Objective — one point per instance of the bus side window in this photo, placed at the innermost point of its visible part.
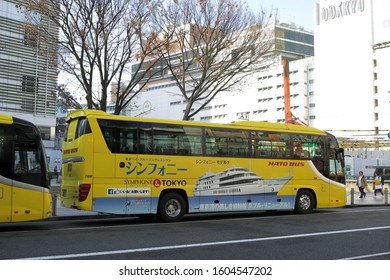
(265, 149)
(195, 145)
(191, 140)
(127, 140)
(222, 148)
(184, 145)
(145, 142)
(255, 148)
(237, 147)
(211, 147)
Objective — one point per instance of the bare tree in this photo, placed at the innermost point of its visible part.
(98, 42)
(212, 45)
(65, 98)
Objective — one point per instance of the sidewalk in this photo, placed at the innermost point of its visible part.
(60, 212)
(353, 198)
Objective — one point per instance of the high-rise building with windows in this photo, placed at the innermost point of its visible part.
(28, 66)
(260, 97)
(344, 88)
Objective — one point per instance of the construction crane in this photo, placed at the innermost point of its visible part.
(287, 109)
(288, 116)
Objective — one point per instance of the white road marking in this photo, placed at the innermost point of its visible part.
(194, 245)
(367, 256)
(221, 220)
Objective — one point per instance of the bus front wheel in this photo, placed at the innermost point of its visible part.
(304, 203)
(171, 208)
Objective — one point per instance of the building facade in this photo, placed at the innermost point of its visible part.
(352, 54)
(344, 89)
(28, 66)
(260, 97)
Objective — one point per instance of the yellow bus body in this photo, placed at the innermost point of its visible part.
(21, 201)
(134, 183)
(26, 203)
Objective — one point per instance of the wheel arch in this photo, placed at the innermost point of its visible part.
(177, 191)
(311, 191)
(303, 196)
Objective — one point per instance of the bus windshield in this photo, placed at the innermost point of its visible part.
(336, 158)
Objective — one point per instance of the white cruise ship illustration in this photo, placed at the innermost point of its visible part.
(237, 181)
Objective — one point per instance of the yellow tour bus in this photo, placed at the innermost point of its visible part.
(24, 180)
(128, 165)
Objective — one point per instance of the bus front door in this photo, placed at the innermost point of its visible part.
(5, 199)
(27, 186)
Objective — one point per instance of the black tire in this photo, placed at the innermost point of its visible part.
(171, 208)
(304, 203)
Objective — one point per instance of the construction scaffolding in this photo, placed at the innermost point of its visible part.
(363, 144)
(362, 139)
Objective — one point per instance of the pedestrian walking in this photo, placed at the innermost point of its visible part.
(362, 184)
(378, 184)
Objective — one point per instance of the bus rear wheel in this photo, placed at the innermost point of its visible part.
(171, 208)
(304, 202)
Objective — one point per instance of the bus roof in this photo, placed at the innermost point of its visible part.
(240, 124)
(277, 126)
(5, 119)
(85, 112)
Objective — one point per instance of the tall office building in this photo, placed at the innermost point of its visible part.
(28, 66)
(352, 55)
(260, 97)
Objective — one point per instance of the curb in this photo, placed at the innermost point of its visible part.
(99, 216)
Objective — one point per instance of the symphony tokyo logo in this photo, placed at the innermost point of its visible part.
(132, 191)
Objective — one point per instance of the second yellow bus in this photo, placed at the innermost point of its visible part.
(24, 179)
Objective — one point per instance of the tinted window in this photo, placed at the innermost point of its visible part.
(226, 142)
(271, 144)
(149, 138)
(120, 136)
(176, 139)
(307, 146)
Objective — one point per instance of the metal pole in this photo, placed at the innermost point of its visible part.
(54, 205)
(352, 196)
(386, 196)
